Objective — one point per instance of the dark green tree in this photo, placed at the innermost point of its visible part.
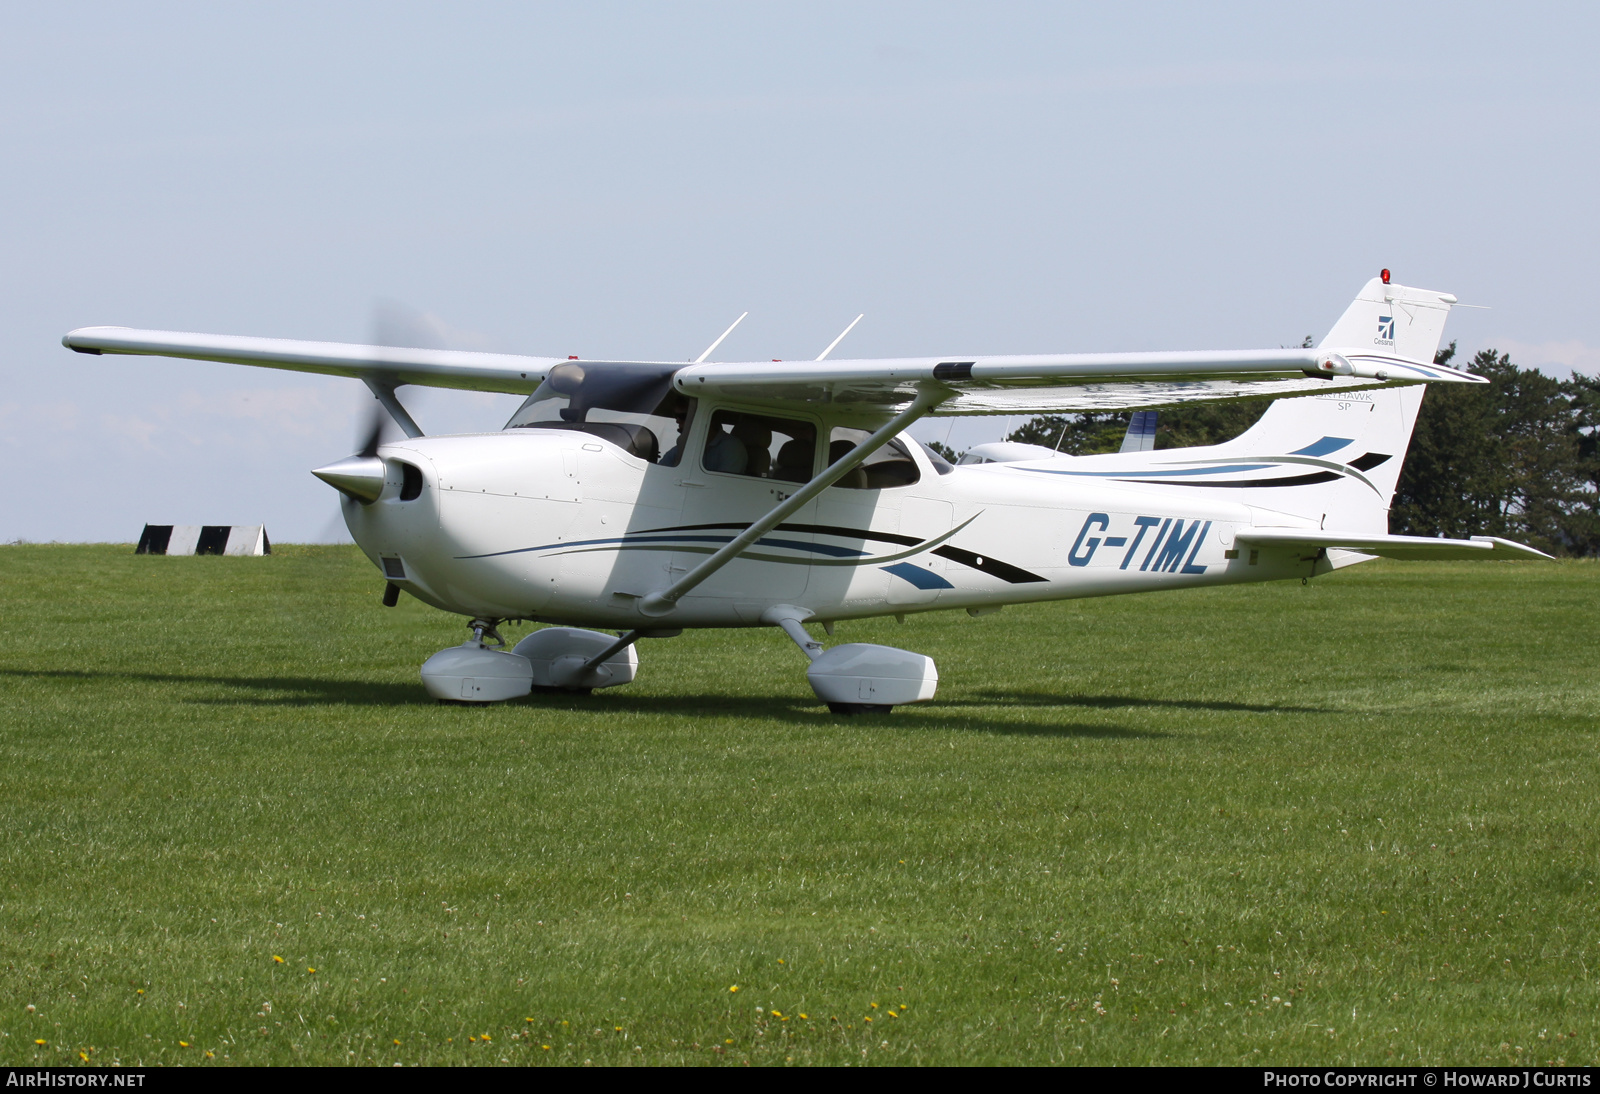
(1074, 434)
(1517, 457)
(1092, 432)
(1583, 393)
(1497, 459)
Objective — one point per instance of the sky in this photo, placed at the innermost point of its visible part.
(623, 180)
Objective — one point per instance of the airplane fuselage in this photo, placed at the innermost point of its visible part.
(564, 527)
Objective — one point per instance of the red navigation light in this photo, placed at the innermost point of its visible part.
(574, 356)
(1385, 276)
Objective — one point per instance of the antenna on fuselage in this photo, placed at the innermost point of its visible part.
(718, 342)
(833, 344)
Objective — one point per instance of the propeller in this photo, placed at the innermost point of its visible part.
(361, 476)
(373, 435)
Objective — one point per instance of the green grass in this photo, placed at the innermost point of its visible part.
(1130, 830)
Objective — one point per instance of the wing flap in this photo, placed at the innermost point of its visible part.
(461, 369)
(1417, 548)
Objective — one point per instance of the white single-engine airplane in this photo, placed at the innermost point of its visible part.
(651, 496)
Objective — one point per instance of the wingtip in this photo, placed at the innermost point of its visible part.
(1512, 547)
(80, 339)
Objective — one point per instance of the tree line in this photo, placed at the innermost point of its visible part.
(1517, 457)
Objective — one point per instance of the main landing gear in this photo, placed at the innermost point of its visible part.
(553, 658)
(473, 672)
(855, 678)
(858, 677)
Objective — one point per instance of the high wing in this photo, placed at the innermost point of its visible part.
(1059, 382)
(388, 365)
(875, 390)
(1417, 548)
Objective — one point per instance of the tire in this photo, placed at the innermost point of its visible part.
(859, 708)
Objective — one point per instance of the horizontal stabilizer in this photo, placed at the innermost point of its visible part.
(1419, 548)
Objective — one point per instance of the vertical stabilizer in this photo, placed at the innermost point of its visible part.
(1392, 318)
(1336, 458)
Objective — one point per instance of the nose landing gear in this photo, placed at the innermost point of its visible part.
(474, 673)
(552, 658)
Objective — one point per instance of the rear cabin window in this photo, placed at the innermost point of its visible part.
(759, 447)
(890, 465)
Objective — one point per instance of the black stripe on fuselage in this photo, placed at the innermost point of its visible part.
(814, 529)
(1361, 463)
(983, 563)
(1015, 575)
(1292, 480)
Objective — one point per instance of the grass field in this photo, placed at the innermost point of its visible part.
(1349, 822)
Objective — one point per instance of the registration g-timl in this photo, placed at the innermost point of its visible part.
(1171, 550)
(632, 500)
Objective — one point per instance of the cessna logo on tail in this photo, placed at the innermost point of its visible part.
(1385, 330)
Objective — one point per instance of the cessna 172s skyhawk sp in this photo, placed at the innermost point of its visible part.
(649, 497)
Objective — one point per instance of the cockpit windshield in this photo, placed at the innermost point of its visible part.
(631, 405)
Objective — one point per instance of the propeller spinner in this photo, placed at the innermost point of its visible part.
(362, 475)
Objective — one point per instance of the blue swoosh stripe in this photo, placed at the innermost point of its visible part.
(1322, 447)
(1162, 472)
(921, 578)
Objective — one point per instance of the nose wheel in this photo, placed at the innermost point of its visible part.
(473, 672)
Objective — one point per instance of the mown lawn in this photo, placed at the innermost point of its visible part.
(1357, 821)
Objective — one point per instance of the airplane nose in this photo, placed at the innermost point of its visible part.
(361, 477)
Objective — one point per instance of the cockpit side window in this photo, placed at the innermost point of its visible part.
(890, 465)
(759, 447)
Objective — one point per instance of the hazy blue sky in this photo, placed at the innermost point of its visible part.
(621, 180)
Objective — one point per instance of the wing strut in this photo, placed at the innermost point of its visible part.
(659, 604)
(383, 391)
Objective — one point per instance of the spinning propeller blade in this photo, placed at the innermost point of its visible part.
(361, 476)
(372, 436)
